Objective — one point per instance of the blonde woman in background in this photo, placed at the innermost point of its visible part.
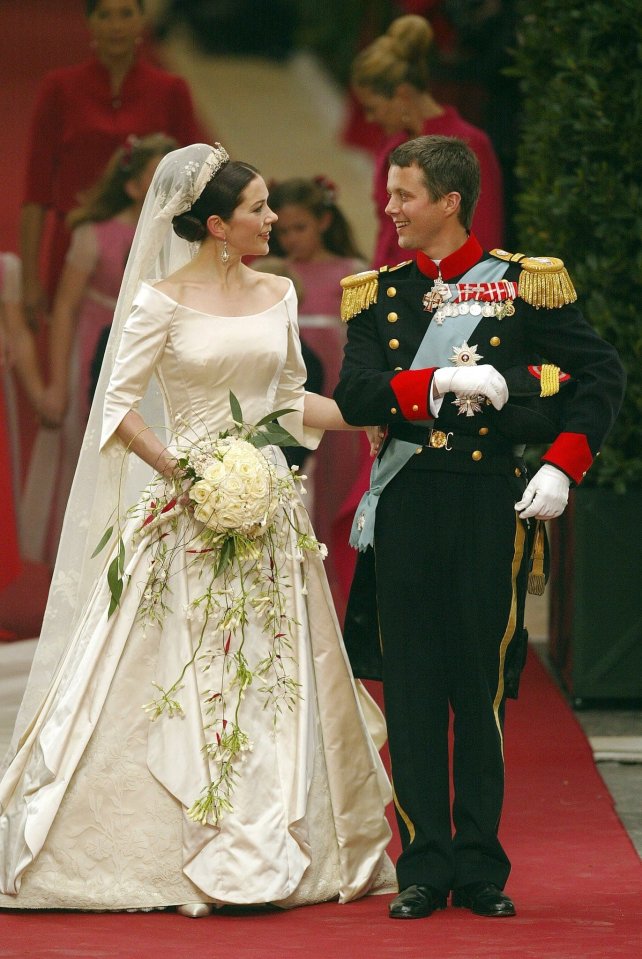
(391, 81)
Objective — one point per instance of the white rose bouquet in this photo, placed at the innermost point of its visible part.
(237, 488)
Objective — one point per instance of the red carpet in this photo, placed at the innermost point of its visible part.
(577, 881)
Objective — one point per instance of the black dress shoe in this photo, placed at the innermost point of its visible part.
(484, 899)
(416, 902)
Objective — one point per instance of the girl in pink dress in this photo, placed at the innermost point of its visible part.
(103, 229)
(316, 240)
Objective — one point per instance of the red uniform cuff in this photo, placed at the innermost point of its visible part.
(412, 390)
(571, 453)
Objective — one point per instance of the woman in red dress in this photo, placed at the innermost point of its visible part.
(82, 114)
(390, 79)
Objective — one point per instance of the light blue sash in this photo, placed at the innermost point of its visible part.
(434, 350)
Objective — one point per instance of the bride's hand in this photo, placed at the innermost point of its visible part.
(375, 436)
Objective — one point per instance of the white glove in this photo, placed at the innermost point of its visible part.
(546, 495)
(472, 381)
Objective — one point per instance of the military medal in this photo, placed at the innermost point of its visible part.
(468, 405)
(466, 355)
(504, 308)
(437, 296)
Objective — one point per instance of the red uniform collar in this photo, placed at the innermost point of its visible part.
(455, 263)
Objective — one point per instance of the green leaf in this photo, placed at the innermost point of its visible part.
(115, 583)
(228, 551)
(277, 436)
(113, 606)
(235, 406)
(103, 541)
(271, 417)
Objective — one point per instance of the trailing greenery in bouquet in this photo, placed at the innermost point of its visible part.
(231, 523)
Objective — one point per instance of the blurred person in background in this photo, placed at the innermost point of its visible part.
(82, 114)
(102, 228)
(391, 80)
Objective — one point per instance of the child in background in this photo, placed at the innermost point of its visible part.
(314, 237)
(103, 229)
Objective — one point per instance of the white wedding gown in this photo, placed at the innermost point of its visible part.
(93, 805)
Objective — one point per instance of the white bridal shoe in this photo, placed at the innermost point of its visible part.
(195, 910)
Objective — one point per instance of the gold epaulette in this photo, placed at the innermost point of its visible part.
(359, 292)
(544, 280)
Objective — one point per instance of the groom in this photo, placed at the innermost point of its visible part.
(437, 351)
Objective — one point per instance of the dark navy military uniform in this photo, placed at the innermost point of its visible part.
(451, 556)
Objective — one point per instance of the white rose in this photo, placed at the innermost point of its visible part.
(232, 487)
(205, 512)
(214, 472)
(200, 491)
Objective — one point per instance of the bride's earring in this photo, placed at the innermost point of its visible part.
(225, 253)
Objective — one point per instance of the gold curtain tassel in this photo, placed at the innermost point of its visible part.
(536, 576)
(549, 383)
(359, 292)
(544, 281)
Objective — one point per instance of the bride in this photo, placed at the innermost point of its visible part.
(191, 734)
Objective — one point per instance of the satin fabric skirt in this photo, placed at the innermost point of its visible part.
(93, 804)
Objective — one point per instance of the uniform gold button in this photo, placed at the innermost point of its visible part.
(419, 450)
(415, 408)
(391, 291)
(392, 317)
(483, 431)
(397, 368)
(477, 455)
(518, 472)
(393, 409)
(393, 344)
(495, 341)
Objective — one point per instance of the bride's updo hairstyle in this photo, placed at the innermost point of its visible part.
(220, 197)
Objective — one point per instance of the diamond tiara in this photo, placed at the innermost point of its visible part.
(217, 158)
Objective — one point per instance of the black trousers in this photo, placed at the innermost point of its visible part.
(451, 568)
